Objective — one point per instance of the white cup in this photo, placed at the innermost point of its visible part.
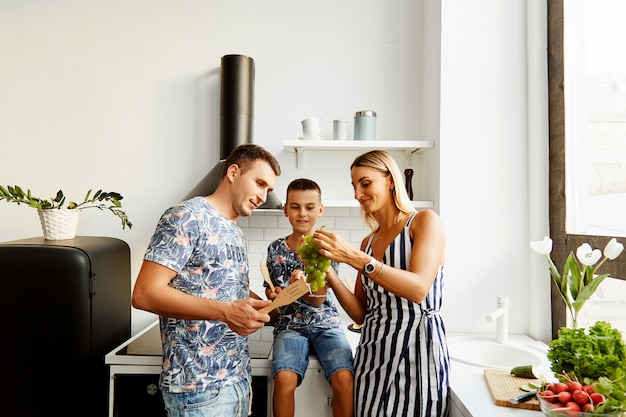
(312, 128)
(340, 129)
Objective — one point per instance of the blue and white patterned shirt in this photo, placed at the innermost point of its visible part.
(209, 253)
(281, 262)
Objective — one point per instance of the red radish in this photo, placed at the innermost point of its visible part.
(580, 397)
(565, 396)
(559, 387)
(574, 386)
(572, 406)
(556, 407)
(548, 395)
(597, 398)
(588, 408)
(572, 409)
(589, 389)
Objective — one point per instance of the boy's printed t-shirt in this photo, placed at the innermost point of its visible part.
(209, 253)
(282, 261)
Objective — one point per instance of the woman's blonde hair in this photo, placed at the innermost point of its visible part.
(382, 162)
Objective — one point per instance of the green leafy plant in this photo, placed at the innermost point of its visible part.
(596, 357)
(577, 284)
(101, 200)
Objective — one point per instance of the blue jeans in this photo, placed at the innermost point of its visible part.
(230, 401)
(292, 348)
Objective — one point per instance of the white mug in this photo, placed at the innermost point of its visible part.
(312, 127)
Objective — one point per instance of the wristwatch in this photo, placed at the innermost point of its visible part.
(369, 267)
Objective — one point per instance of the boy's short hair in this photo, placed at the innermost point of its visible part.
(303, 184)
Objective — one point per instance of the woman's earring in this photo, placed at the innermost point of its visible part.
(392, 189)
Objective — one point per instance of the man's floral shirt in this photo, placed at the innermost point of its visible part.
(208, 252)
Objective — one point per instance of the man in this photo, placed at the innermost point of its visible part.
(195, 277)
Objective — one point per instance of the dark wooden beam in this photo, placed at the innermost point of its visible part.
(556, 153)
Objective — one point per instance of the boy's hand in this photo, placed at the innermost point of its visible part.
(271, 295)
(296, 275)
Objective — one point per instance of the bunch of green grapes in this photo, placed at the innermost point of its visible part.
(316, 265)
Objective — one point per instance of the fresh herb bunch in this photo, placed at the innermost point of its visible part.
(15, 194)
(588, 354)
(595, 357)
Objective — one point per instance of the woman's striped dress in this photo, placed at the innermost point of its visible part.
(401, 363)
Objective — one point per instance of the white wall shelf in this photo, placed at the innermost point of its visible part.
(408, 146)
(348, 203)
(354, 203)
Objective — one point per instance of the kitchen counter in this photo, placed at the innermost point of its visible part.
(470, 395)
(141, 355)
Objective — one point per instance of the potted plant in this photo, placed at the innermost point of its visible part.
(59, 221)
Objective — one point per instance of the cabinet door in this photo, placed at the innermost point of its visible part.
(314, 395)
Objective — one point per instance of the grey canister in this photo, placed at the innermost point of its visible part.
(365, 125)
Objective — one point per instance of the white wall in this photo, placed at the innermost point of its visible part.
(125, 96)
(493, 148)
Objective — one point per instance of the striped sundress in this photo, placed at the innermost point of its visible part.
(401, 363)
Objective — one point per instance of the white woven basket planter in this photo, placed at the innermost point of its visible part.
(59, 224)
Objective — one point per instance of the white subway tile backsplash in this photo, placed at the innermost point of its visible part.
(337, 211)
(355, 212)
(353, 223)
(327, 221)
(358, 235)
(254, 233)
(273, 234)
(258, 247)
(266, 221)
(283, 222)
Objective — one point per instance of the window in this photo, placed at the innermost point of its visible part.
(587, 100)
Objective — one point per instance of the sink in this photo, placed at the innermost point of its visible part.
(487, 353)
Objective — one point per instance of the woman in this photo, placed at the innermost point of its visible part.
(401, 364)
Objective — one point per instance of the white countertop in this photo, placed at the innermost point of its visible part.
(144, 348)
(470, 393)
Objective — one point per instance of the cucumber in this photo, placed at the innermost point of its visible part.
(526, 371)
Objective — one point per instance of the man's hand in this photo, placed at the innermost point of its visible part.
(243, 318)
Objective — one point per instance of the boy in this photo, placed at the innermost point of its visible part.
(310, 323)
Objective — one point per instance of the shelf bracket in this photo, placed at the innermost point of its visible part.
(299, 158)
(408, 153)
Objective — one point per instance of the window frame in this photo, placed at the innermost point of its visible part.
(563, 243)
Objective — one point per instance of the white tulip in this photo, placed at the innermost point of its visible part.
(613, 249)
(587, 256)
(542, 247)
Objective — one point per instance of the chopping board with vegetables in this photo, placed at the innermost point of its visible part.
(503, 386)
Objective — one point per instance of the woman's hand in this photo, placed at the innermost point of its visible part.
(334, 247)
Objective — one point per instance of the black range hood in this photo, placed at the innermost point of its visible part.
(236, 121)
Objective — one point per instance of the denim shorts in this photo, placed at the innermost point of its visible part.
(231, 400)
(292, 348)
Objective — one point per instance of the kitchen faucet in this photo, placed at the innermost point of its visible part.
(501, 315)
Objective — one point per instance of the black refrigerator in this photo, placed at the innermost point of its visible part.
(65, 305)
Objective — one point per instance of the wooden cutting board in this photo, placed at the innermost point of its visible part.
(503, 386)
